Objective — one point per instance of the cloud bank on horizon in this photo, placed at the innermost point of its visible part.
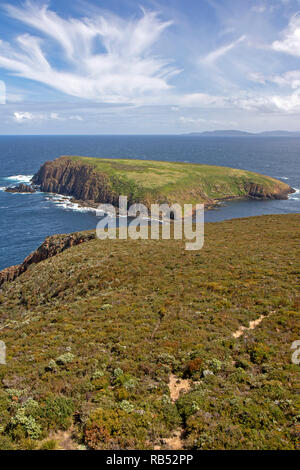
(150, 66)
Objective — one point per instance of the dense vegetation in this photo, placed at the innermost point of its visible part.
(94, 333)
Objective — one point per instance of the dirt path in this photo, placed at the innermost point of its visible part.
(64, 440)
(176, 442)
(252, 325)
(176, 387)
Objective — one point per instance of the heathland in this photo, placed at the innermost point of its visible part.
(139, 344)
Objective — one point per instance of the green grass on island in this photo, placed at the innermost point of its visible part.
(98, 336)
(154, 181)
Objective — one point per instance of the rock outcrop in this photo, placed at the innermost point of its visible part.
(50, 247)
(21, 188)
(71, 178)
(258, 191)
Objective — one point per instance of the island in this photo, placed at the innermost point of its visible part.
(238, 133)
(97, 180)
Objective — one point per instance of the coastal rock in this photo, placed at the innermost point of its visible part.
(21, 188)
(258, 191)
(75, 179)
(51, 247)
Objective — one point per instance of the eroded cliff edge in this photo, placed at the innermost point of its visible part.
(52, 246)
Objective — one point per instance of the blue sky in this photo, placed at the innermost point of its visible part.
(147, 67)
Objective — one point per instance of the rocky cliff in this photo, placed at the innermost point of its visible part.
(71, 178)
(50, 247)
(259, 191)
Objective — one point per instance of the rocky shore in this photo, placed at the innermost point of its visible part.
(50, 247)
(21, 188)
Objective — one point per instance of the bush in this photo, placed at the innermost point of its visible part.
(126, 406)
(190, 403)
(116, 429)
(259, 353)
(51, 444)
(193, 367)
(6, 443)
(64, 359)
(56, 412)
(215, 365)
(22, 425)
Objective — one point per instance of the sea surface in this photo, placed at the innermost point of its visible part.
(27, 219)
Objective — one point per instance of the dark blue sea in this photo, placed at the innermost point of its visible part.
(25, 220)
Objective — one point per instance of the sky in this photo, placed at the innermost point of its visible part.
(149, 66)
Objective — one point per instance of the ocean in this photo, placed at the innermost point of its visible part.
(27, 219)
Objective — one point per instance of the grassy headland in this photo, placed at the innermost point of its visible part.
(95, 333)
(103, 180)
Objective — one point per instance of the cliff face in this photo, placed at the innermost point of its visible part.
(70, 178)
(258, 191)
(50, 247)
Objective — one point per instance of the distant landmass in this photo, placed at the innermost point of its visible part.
(238, 133)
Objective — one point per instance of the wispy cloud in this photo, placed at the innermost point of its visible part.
(99, 71)
(202, 100)
(122, 69)
(26, 116)
(2, 92)
(213, 56)
(259, 8)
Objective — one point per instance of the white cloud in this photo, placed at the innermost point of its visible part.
(25, 116)
(288, 104)
(194, 121)
(202, 99)
(191, 120)
(221, 51)
(2, 92)
(55, 116)
(290, 44)
(122, 71)
(289, 79)
(21, 117)
(76, 118)
(257, 78)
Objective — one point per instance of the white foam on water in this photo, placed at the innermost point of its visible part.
(20, 178)
(295, 196)
(64, 202)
